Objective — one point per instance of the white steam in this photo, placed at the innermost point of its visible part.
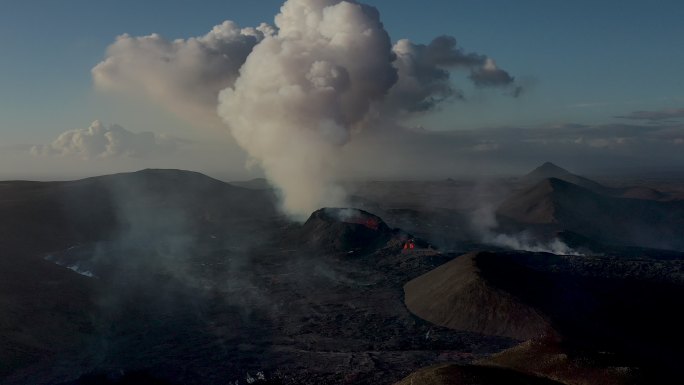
(524, 242)
(484, 223)
(302, 92)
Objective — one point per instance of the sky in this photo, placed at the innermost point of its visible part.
(581, 65)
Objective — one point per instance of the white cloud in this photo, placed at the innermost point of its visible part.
(424, 77)
(183, 75)
(101, 141)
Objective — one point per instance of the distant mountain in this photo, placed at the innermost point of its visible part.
(550, 170)
(61, 214)
(604, 218)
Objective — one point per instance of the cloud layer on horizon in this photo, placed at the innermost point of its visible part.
(424, 154)
(103, 141)
(655, 116)
(621, 149)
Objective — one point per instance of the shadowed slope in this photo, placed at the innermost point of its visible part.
(597, 307)
(61, 214)
(41, 318)
(457, 296)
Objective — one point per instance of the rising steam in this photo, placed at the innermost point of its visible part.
(293, 95)
(485, 225)
(303, 90)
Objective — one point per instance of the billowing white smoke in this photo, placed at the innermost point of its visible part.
(102, 141)
(294, 95)
(302, 92)
(185, 76)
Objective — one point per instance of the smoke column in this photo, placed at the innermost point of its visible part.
(303, 90)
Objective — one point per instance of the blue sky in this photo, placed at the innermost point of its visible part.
(580, 61)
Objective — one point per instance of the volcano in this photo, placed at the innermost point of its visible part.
(338, 230)
(549, 170)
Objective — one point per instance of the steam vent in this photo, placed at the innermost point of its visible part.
(337, 230)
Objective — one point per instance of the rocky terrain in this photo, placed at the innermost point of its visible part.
(171, 277)
(194, 286)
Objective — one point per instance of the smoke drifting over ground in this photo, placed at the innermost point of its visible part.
(485, 225)
(525, 242)
(293, 95)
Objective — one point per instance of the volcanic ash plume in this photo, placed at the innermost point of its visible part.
(293, 95)
(303, 90)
